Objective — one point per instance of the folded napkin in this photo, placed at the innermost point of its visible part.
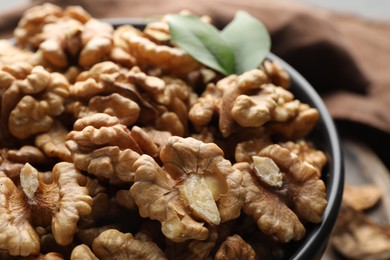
(344, 57)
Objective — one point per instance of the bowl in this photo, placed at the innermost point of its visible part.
(325, 138)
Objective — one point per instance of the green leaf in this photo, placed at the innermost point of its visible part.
(249, 40)
(202, 41)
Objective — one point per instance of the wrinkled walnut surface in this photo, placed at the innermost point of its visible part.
(107, 132)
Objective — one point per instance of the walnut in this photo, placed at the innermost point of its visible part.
(150, 140)
(96, 39)
(149, 54)
(355, 236)
(307, 152)
(48, 256)
(176, 88)
(86, 236)
(88, 83)
(361, 197)
(53, 142)
(126, 110)
(276, 74)
(254, 111)
(106, 82)
(11, 161)
(32, 22)
(38, 204)
(193, 249)
(158, 31)
(246, 149)
(124, 199)
(18, 237)
(206, 106)
(102, 146)
(112, 244)
(170, 122)
(26, 154)
(60, 39)
(305, 189)
(234, 247)
(29, 117)
(120, 53)
(82, 252)
(10, 54)
(219, 100)
(30, 103)
(196, 182)
(151, 84)
(271, 214)
(61, 196)
(65, 35)
(299, 126)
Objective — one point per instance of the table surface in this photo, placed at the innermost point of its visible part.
(362, 166)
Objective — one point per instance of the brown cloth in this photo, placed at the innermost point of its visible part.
(345, 58)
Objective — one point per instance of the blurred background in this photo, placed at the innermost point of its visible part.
(374, 9)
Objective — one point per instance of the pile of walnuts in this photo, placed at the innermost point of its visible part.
(116, 144)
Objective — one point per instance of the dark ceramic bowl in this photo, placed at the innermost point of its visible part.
(325, 138)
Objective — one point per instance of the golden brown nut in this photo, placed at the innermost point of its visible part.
(170, 122)
(53, 142)
(196, 183)
(234, 86)
(9, 54)
(96, 39)
(205, 106)
(146, 83)
(276, 74)
(48, 256)
(254, 111)
(30, 103)
(18, 237)
(271, 214)
(193, 249)
(11, 161)
(88, 83)
(60, 40)
(307, 152)
(150, 140)
(61, 202)
(29, 117)
(112, 244)
(228, 99)
(31, 24)
(120, 53)
(234, 247)
(82, 252)
(355, 236)
(305, 190)
(299, 126)
(26, 154)
(149, 54)
(361, 197)
(246, 149)
(86, 236)
(102, 146)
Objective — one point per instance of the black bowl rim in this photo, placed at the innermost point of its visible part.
(319, 235)
(314, 244)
